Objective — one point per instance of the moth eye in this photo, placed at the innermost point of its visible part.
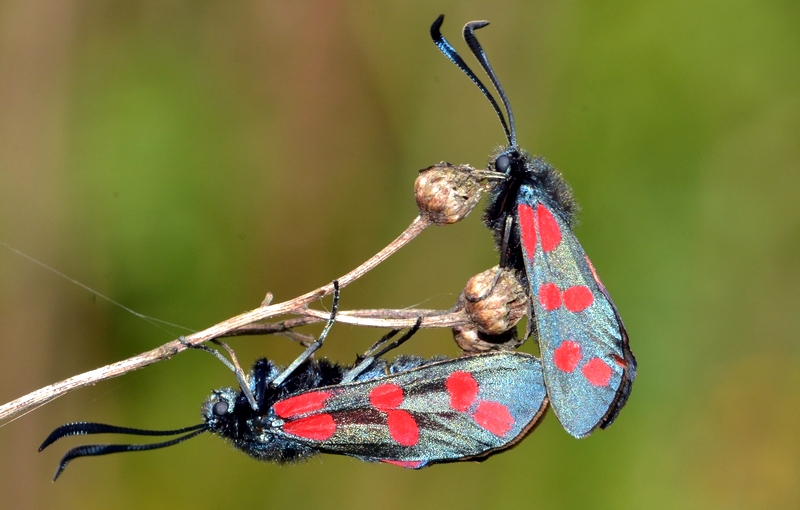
(502, 163)
(220, 408)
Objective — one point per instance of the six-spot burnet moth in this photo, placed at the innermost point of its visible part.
(587, 363)
(411, 412)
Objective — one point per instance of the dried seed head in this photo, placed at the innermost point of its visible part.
(447, 193)
(495, 300)
(469, 339)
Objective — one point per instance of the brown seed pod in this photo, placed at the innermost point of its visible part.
(469, 339)
(494, 301)
(447, 193)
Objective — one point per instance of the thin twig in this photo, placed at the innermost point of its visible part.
(297, 306)
(384, 318)
(378, 318)
(301, 338)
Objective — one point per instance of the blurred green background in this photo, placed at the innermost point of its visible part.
(184, 158)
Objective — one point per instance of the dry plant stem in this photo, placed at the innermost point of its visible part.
(382, 318)
(271, 328)
(439, 319)
(379, 317)
(297, 305)
(300, 338)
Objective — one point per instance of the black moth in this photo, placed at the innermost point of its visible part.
(586, 360)
(411, 412)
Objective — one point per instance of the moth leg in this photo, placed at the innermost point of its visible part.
(311, 349)
(506, 239)
(232, 365)
(213, 352)
(380, 348)
(503, 259)
(366, 360)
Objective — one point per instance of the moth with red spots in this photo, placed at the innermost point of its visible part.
(411, 412)
(587, 363)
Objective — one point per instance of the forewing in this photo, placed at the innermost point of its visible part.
(452, 410)
(588, 366)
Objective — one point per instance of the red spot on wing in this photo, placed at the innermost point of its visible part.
(549, 296)
(301, 404)
(567, 355)
(527, 228)
(319, 427)
(494, 417)
(597, 372)
(548, 229)
(386, 397)
(619, 361)
(463, 389)
(409, 464)
(578, 298)
(403, 428)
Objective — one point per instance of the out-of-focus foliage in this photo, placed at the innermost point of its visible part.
(184, 158)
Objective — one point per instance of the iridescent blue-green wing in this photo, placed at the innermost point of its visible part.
(587, 363)
(460, 409)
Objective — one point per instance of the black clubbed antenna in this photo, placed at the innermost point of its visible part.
(89, 450)
(477, 50)
(450, 52)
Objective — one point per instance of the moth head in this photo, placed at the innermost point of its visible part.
(221, 411)
(510, 162)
